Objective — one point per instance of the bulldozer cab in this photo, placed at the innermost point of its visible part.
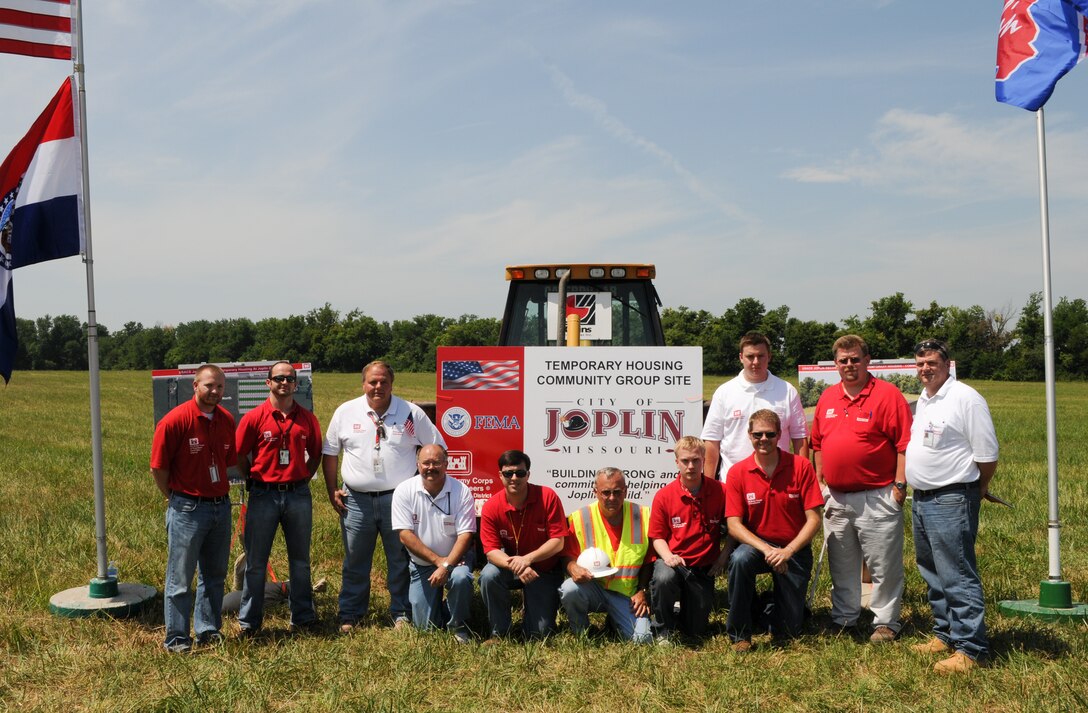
(617, 305)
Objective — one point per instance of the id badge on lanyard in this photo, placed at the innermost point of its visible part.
(285, 457)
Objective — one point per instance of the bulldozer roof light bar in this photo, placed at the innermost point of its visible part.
(582, 272)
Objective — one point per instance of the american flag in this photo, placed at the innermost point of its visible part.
(36, 28)
(410, 426)
(499, 375)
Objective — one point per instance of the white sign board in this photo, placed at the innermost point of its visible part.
(587, 408)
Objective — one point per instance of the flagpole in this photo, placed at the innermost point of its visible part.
(104, 594)
(1055, 595)
(92, 324)
(1053, 524)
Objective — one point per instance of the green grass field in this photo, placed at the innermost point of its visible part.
(49, 663)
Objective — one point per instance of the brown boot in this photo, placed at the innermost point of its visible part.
(933, 646)
(958, 662)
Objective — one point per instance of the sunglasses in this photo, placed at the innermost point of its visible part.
(519, 473)
(760, 435)
(611, 493)
(849, 360)
(281, 379)
(931, 345)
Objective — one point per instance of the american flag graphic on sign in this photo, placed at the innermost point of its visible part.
(502, 375)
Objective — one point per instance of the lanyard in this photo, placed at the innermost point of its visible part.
(434, 502)
(379, 429)
(517, 532)
(280, 417)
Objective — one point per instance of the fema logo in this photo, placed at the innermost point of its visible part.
(456, 422)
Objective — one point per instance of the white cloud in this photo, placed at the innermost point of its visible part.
(945, 155)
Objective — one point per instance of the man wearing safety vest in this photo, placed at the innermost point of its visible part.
(608, 560)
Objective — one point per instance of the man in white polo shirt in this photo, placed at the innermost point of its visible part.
(951, 458)
(378, 433)
(436, 518)
(755, 388)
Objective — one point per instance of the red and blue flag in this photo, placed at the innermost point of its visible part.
(1037, 43)
(41, 204)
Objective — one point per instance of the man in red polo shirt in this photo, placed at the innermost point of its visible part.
(686, 531)
(772, 508)
(522, 530)
(190, 454)
(279, 449)
(860, 433)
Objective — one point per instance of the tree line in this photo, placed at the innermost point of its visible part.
(986, 343)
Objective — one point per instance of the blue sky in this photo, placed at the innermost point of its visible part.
(260, 158)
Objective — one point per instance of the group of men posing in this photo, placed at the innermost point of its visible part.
(652, 570)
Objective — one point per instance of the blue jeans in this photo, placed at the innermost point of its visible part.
(692, 588)
(945, 528)
(428, 609)
(788, 612)
(581, 598)
(541, 600)
(197, 542)
(367, 516)
(267, 510)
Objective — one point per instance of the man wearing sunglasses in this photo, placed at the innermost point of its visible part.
(772, 509)
(279, 448)
(860, 433)
(951, 458)
(619, 528)
(725, 429)
(522, 529)
(686, 531)
(378, 433)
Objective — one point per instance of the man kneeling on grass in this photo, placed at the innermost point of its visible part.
(772, 508)
(608, 561)
(435, 517)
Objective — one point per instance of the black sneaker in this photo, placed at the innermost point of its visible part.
(210, 639)
(306, 627)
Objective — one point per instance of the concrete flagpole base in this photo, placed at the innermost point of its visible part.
(104, 596)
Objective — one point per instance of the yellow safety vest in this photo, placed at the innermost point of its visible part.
(589, 528)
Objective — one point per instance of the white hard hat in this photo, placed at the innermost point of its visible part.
(597, 562)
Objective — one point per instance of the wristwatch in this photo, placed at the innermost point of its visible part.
(900, 486)
(447, 566)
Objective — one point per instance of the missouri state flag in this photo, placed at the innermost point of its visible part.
(41, 204)
(1037, 43)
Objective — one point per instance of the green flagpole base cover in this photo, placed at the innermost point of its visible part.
(104, 596)
(1055, 603)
